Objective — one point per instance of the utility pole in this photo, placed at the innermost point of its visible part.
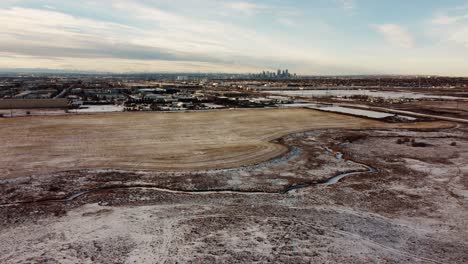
(11, 103)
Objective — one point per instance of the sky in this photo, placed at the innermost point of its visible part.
(310, 37)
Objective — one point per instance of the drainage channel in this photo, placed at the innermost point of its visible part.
(289, 189)
(331, 181)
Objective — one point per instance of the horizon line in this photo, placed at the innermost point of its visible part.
(86, 72)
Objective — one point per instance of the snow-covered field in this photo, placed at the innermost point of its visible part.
(342, 93)
(346, 110)
(352, 111)
(99, 109)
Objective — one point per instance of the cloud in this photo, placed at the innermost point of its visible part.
(346, 4)
(13, 61)
(50, 7)
(287, 21)
(448, 20)
(220, 38)
(155, 35)
(102, 49)
(451, 27)
(245, 7)
(30, 31)
(216, 35)
(452, 34)
(396, 35)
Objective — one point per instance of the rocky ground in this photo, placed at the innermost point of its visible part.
(413, 209)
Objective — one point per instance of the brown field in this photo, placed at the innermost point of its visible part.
(411, 208)
(160, 141)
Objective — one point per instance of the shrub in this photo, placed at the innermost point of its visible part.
(419, 144)
(403, 140)
(354, 137)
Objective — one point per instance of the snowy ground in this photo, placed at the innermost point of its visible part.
(412, 210)
(99, 109)
(357, 112)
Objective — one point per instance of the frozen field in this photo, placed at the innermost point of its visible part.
(342, 93)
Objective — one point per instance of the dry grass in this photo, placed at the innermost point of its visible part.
(159, 141)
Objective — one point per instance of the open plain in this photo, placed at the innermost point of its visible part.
(230, 187)
(172, 141)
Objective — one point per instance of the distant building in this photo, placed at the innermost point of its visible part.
(279, 74)
(33, 103)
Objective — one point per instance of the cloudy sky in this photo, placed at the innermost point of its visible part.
(323, 37)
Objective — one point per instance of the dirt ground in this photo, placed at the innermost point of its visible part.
(157, 141)
(411, 208)
(457, 109)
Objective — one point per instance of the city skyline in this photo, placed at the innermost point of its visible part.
(326, 37)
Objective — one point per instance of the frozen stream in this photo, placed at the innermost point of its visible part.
(331, 181)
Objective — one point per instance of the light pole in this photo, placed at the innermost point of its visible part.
(11, 103)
